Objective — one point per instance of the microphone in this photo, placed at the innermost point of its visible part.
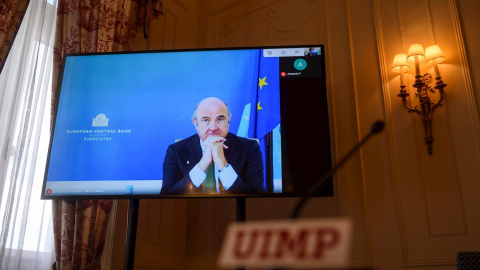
(376, 128)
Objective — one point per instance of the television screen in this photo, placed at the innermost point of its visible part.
(226, 122)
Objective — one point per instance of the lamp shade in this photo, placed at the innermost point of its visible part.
(415, 50)
(400, 63)
(434, 53)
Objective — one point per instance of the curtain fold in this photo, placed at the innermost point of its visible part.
(26, 236)
(11, 15)
(91, 26)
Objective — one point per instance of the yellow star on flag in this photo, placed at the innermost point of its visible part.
(262, 82)
(258, 107)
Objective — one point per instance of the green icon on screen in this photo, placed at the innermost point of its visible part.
(300, 64)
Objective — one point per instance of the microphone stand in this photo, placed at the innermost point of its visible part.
(376, 127)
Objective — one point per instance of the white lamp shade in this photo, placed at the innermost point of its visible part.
(434, 53)
(415, 50)
(400, 63)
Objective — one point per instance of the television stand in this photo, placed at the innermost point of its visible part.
(241, 206)
(131, 234)
(241, 210)
(132, 229)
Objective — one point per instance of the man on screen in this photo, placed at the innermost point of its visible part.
(213, 160)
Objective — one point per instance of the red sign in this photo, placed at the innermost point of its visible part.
(302, 243)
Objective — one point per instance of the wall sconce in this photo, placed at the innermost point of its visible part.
(416, 55)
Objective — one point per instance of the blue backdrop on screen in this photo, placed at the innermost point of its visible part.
(117, 117)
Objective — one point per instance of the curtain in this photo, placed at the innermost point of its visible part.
(26, 236)
(11, 14)
(90, 26)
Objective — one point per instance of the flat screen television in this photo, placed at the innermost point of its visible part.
(118, 117)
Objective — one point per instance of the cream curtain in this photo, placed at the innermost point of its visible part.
(26, 237)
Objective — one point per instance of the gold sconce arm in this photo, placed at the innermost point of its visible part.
(403, 95)
(415, 55)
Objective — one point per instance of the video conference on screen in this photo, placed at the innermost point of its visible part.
(117, 113)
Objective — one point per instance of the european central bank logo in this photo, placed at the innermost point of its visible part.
(100, 121)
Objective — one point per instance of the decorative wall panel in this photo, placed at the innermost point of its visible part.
(429, 195)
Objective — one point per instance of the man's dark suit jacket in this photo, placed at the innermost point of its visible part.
(242, 154)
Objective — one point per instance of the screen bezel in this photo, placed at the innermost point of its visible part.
(325, 136)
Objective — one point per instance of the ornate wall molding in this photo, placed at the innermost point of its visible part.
(422, 176)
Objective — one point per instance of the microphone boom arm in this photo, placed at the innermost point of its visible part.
(327, 178)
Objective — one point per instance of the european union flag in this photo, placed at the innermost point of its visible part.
(268, 96)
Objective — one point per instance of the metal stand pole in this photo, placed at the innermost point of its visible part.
(131, 234)
(241, 209)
